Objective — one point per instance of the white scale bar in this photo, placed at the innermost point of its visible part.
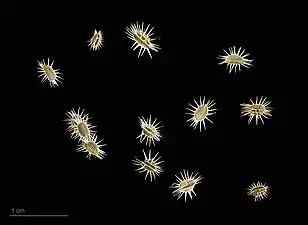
(33, 215)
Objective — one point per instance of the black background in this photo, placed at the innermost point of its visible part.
(47, 175)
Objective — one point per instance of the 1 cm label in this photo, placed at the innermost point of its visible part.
(18, 210)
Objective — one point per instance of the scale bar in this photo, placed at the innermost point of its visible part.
(38, 215)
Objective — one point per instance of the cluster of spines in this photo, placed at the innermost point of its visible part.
(81, 129)
(141, 35)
